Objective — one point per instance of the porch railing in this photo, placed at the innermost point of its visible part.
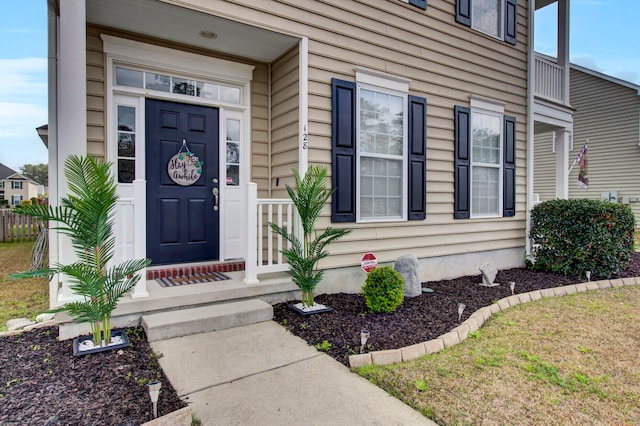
(265, 246)
(549, 79)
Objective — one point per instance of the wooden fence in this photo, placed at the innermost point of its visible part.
(14, 227)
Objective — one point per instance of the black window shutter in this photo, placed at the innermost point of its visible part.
(343, 150)
(511, 21)
(417, 158)
(462, 163)
(509, 180)
(463, 12)
(422, 4)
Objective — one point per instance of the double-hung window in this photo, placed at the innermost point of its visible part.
(16, 184)
(498, 18)
(16, 199)
(381, 137)
(378, 150)
(484, 161)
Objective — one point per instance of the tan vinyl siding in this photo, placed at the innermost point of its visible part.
(446, 63)
(544, 170)
(608, 114)
(284, 119)
(259, 140)
(96, 100)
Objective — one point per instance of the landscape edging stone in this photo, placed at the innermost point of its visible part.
(461, 333)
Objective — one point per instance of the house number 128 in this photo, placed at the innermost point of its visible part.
(305, 138)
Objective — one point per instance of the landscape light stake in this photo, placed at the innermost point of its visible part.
(461, 307)
(364, 336)
(154, 392)
(588, 274)
(512, 286)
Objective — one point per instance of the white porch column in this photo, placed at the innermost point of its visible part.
(303, 113)
(140, 238)
(563, 46)
(562, 164)
(251, 258)
(71, 107)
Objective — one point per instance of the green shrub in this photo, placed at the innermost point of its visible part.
(4, 203)
(383, 290)
(581, 235)
(25, 202)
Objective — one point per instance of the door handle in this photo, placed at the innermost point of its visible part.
(216, 197)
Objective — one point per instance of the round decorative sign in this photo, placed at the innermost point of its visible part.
(184, 168)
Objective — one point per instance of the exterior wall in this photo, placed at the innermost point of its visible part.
(96, 100)
(446, 63)
(29, 189)
(608, 114)
(284, 116)
(544, 170)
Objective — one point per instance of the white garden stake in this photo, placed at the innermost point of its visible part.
(588, 274)
(364, 336)
(512, 286)
(461, 307)
(154, 392)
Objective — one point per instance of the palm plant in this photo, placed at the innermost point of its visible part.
(309, 197)
(86, 217)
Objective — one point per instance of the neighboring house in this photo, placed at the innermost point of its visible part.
(607, 114)
(15, 187)
(423, 112)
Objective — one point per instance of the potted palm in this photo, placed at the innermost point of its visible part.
(309, 197)
(86, 217)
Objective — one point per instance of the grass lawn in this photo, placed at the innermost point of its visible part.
(19, 298)
(568, 360)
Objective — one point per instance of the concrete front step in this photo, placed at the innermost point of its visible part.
(185, 322)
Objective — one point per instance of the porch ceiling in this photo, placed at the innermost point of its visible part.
(160, 20)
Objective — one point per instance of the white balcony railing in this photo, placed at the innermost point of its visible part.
(265, 246)
(549, 79)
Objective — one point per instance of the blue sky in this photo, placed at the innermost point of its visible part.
(605, 36)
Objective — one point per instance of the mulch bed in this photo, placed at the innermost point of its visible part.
(418, 319)
(42, 383)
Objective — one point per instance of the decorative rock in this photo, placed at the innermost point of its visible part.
(407, 266)
(45, 317)
(489, 273)
(18, 323)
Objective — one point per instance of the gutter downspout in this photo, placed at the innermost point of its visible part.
(52, 142)
(530, 125)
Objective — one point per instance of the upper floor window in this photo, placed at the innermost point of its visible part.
(486, 16)
(497, 18)
(1, 184)
(16, 184)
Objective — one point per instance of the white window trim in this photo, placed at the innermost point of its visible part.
(15, 198)
(500, 35)
(392, 85)
(494, 111)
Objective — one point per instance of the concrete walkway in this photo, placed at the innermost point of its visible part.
(262, 375)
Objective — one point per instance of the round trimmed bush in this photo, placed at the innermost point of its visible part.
(383, 290)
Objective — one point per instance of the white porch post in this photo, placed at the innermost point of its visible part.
(562, 164)
(71, 120)
(303, 113)
(563, 46)
(251, 259)
(139, 239)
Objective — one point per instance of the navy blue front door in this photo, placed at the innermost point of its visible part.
(182, 224)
